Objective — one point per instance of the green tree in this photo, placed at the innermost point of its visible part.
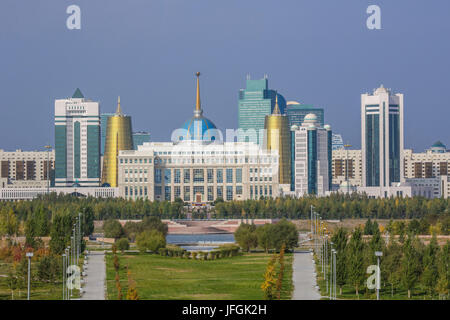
(339, 240)
(113, 229)
(355, 257)
(246, 236)
(410, 265)
(430, 274)
(284, 232)
(264, 235)
(368, 227)
(150, 240)
(390, 265)
(123, 244)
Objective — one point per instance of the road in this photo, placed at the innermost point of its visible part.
(303, 277)
(95, 277)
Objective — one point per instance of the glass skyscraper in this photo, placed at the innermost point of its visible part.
(296, 113)
(382, 138)
(77, 142)
(256, 101)
(103, 126)
(139, 138)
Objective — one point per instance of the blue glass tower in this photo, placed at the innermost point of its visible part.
(256, 101)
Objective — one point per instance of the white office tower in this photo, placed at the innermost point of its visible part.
(311, 157)
(382, 138)
(77, 142)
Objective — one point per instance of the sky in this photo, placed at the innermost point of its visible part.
(317, 52)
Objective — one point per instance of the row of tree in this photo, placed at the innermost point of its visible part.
(267, 236)
(406, 264)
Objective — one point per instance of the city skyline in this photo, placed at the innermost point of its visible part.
(148, 66)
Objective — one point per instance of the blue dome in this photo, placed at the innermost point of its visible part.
(199, 128)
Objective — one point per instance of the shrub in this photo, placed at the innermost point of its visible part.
(123, 244)
(150, 240)
(194, 255)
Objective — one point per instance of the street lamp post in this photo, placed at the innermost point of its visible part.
(378, 254)
(29, 255)
(48, 147)
(335, 280)
(63, 274)
(331, 270)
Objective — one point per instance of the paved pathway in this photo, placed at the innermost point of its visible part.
(95, 277)
(303, 277)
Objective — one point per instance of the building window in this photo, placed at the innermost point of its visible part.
(251, 192)
(238, 175)
(126, 191)
(145, 191)
(219, 192)
(198, 175)
(199, 189)
(158, 190)
(229, 193)
(229, 175)
(157, 175)
(210, 174)
(187, 193)
(167, 193)
(176, 192)
(167, 176)
(210, 193)
(187, 176)
(176, 178)
(270, 190)
(238, 190)
(219, 176)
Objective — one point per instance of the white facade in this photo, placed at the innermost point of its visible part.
(14, 194)
(198, 172)
(382, 138)
(77, 142)
(311, 168)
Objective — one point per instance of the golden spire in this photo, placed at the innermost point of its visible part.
(119, 110)
(197, 103)
(276, 110)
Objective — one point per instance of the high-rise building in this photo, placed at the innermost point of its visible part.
(103, 124)
(139, 138)
(311, 169)
(381, 138)
(77, 141)
(296, 113)
(346, 167)
(338, 142)
(118, 137)
(278, 138)
(256, 101)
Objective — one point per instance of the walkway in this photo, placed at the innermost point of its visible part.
(303, 277)
(95, 277)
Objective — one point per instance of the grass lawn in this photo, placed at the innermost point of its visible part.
(165, 278)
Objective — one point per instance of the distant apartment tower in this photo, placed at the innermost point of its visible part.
(256, 101)
(139, 138)
(432, 163)
(77, 142)
(311, 149)
(346, 167)
(26, 169)
(103, 126)
(297, 112)
(381, 138)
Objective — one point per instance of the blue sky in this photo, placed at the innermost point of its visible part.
(314, 51)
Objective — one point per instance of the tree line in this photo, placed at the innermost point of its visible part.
(406, 264)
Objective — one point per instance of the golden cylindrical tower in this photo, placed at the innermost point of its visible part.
(118, 137)
(278, 137)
